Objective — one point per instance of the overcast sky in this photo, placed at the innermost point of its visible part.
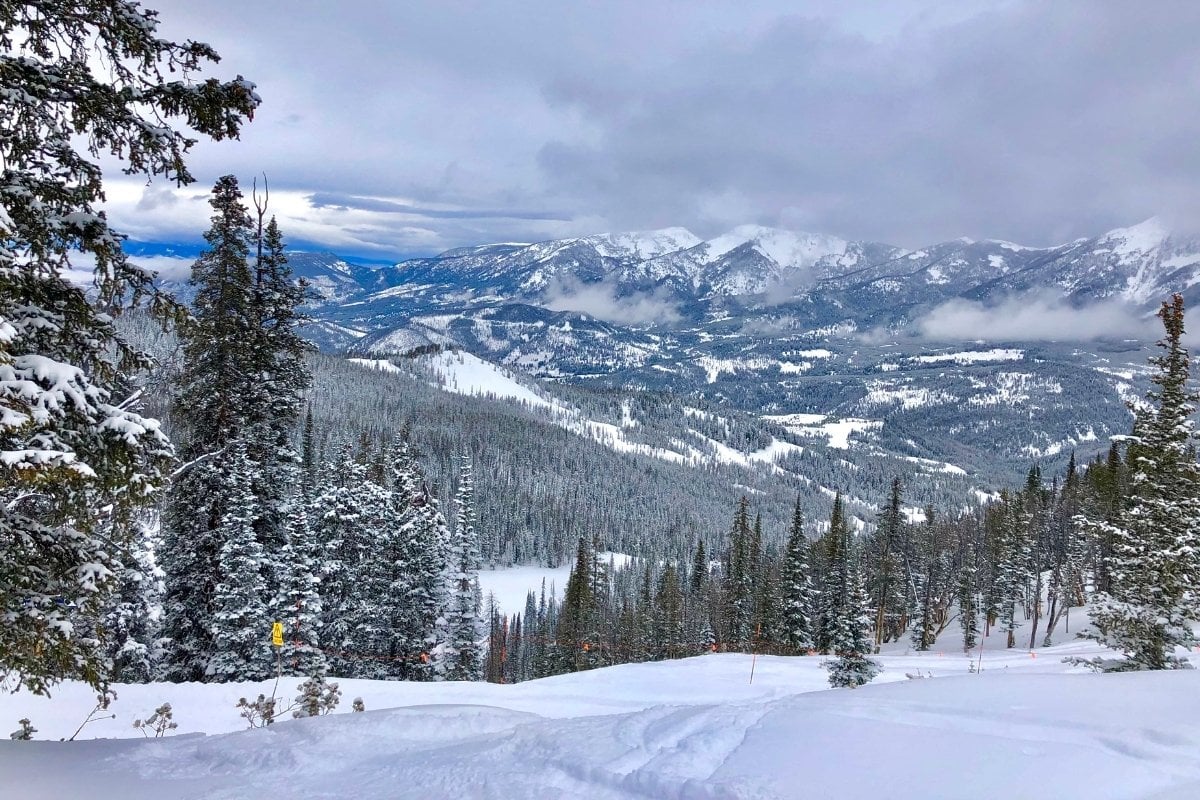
(396, 129)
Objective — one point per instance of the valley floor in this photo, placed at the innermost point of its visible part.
(1025, 727)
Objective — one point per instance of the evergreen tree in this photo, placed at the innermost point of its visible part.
(796, 590)
(698, 577)
(1154, 568)
(668, 616)
(849, 620)
(81, 82)
(298, 600)
(128, 624)
(968, 606)
(739, 580)
(341, 519)
(577, 634)
(833, 555)
(463, 656)
(240, 627)
(923, 634)
(212, 405)
(886, 578)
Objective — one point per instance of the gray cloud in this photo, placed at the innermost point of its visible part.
(1035, 317)
(602, 301)
(1030, 123)
(349, 201)
(907, 122)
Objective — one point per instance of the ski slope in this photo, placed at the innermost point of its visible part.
(1025, 727)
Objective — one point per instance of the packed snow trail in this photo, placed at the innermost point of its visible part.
(1024, 728)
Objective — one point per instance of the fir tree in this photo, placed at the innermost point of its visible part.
(923, 634)
(668, 614)
(128, 623)
(298, 600)
(240, 625)
(886, 575)
(796, 590)
(577, 633)
(463, 656)
(81, 83)
(849, 621)
(739, 580)
(212, 406)
(831, 549)
(968, 606)
(1154, 571)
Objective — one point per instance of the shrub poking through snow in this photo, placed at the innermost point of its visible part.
(25, 732)
(259, 713)
(161, 721)
(317, 698)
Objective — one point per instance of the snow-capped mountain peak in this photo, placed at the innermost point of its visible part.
(643, 245)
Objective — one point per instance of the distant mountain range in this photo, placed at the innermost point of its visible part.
(782, 323)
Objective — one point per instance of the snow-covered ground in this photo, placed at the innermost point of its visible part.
(1025, 727)
(510, 585)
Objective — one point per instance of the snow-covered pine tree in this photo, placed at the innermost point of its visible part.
(81, 81)
(739, 581)
(923, 634)
(1011, 560)
(212, 404)
(128, 624)
(849, 618)
(830, 552)
(968, 601)
(668, 614)
(347, 524)
(278, 378)
(297, 600)
(462, 655)
(796, 591)
(240, 625)
(887, 582)
(423, 537)
(1154, 567)
(576, 630)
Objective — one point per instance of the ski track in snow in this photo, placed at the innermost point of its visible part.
(1028, 726)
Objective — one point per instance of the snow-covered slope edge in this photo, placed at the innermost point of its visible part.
(687, 729)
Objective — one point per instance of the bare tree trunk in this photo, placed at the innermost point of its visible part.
(1037, 608)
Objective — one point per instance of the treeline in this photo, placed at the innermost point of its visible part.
(1027, 556)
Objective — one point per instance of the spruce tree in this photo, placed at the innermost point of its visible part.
(968, 604)
(240, 625)
(463, 660)
(796, 590)
(668, 614)
(886, 578)
(831, 549)
(212, 405)
(128, 625)
(297, 600)
(82, 82)
(739, 580)
(576, 633)
(848, 618)
(1154, 567)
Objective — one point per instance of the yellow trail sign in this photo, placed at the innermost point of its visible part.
(277, 634)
